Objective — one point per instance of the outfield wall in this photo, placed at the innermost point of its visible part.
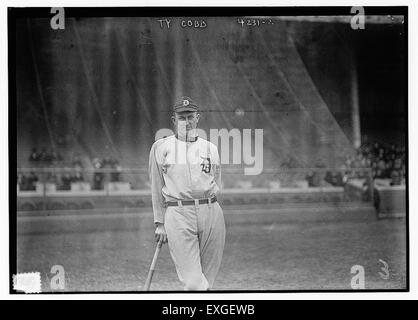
(286, 197)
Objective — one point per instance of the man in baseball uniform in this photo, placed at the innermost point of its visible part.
(185, 177)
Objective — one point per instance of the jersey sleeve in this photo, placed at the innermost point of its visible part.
(157, 183)
(217, 166)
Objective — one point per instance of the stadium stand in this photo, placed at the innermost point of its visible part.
(91, 135)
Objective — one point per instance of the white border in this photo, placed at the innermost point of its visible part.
(4, 223)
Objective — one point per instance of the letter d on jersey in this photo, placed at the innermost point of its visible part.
(58, 280)
(357, 281)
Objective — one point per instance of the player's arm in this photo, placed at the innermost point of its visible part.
(157, 183)
(217, 168)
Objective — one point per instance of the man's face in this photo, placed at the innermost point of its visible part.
(186, 119)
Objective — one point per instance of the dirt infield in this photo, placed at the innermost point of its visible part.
(295, 249)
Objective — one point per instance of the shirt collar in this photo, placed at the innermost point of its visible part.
(188, 140)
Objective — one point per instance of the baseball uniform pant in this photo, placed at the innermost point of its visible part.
(196, 238)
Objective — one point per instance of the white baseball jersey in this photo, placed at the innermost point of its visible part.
(181, 170)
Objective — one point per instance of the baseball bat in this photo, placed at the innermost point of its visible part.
(152, 267)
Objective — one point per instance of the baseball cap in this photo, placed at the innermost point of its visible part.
(185, 104)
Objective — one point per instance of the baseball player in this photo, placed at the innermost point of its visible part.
(185, 178)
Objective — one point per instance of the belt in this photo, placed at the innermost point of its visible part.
(190, 202)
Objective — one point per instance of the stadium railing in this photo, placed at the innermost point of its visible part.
(67, 189)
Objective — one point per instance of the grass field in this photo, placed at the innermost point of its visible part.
(269, 249)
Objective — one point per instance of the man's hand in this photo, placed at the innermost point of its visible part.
(160, 233)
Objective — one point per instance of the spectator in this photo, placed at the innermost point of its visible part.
(77, 177)
(55, 156)
(77, 162)
(381, 153)
(389, 168)
(396, 178)
(66, 181)
(381, 165)
(376, 148)
(42, 156)
(117, 169)
(328, 177)
(31, 181)
(337, 179)
(380, 174)
(52, 178)
(48, 157)
(107, 165)
(397, 164)
(313, 179)
(34, 156)
(98, 175)
(26, 183)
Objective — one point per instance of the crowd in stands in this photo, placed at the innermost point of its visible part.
(44, 157)
(385, 162)
(27, 182)
(112, 174)
(105, 170)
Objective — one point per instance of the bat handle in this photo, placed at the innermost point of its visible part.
(157, 251)
(152, 267)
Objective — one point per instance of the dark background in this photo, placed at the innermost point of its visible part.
(104, 86)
